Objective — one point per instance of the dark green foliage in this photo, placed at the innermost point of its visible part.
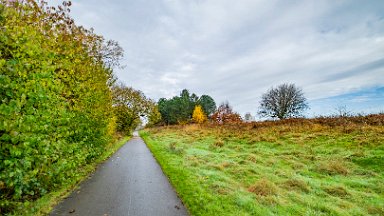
(185, 103)
(54, 100)
(179, 108)
(208, 104)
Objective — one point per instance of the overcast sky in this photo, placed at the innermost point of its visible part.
(236, 50)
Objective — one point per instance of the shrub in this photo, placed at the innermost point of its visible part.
(225, 114)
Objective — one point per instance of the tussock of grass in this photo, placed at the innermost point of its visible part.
(219, 143)
(296, 184)
(376, 210)
(339, 191)
(293, 167)
(252, 158)
(334, 167)
(263, 187)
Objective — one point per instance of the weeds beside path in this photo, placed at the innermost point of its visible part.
(299, 168)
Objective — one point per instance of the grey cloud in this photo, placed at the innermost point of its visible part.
(236, 50)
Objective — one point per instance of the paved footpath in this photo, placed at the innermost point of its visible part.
(130, 183)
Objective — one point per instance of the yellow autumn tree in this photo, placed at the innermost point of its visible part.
(198, 115)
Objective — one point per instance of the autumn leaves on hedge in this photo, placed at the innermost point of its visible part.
(56, 99)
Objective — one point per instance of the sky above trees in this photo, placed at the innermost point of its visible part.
(237, 50)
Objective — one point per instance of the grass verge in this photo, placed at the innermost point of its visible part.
(295, 169)
(45, 204)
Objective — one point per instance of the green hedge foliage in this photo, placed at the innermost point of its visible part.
(55, 100)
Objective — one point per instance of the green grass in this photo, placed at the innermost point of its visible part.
(45, 204)
(305, 169)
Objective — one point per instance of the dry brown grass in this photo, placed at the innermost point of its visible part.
(252, 158)
(222, 166)
(296, 184)
(218, 143)
(341, 124)
(190, 128)
(334, 167)
(263, 187)
(297, 165)
(282, 127)
(376, 210)
(338, 191)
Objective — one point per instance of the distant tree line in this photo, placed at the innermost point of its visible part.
(179, 109)
(187, 108)
(283, 101)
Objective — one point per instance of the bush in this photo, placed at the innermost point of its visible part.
(224, 114)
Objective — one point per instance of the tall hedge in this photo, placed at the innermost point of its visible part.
(55, 100)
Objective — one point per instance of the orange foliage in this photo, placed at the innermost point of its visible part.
(224, 114)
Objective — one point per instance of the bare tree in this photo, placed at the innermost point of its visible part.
(284, 101)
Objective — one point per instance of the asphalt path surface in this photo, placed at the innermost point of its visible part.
(131, 182)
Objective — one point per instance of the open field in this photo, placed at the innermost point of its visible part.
(292, 167)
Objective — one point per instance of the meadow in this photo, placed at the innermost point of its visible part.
(323, 166)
